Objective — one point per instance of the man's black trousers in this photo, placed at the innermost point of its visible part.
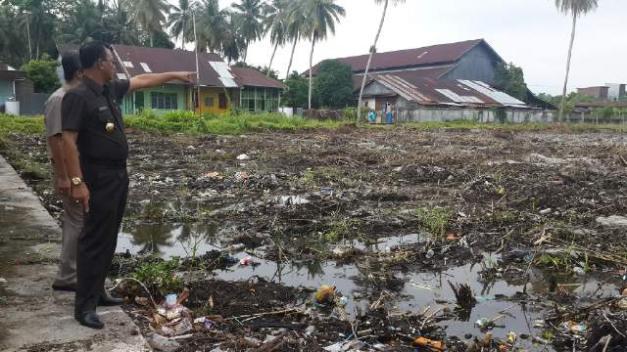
(108, 187)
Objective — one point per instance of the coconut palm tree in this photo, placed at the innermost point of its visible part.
(249, 17)
(373, 48)
(180, 21)
(211, 24)
(150, 14)
(320, 16)
(119, 28)
(275, 24)
(576, 9)
(295, 22)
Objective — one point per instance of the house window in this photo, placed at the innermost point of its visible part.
(208, 102)
(164, 101)
(222, 100)
(260, 99)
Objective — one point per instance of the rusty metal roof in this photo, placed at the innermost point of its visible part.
(429, 91)
(409, 75)
(434, 55)
(250, 77)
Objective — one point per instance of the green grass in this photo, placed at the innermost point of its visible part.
(229, 124)
(436, 220)
(19, 124)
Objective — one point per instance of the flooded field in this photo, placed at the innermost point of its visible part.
(481, 240)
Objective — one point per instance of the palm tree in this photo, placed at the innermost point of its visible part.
(211, 24)
(295, 22)
(81, 22)
(321, 16)
(275, 23)
(575, 8)
(150, 14)
(119, 28)
(249, 20)
(373, 49)
(180, 21)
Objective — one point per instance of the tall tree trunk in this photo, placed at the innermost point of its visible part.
(30, 46)
(276, 46)
(183, 37)
(313, 45)
(151, 40)
(372, 51)
(570, 53)
(289, 66)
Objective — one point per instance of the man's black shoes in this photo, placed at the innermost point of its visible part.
(106, 300)
(90, 320)
(67, 288)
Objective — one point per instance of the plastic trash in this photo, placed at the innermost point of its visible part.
(170, 300)
(247, 261)
(485, 324)
(574, 327)
(430, 253)
(243, 157)
(343, 301)
(432, 344)
(512, 337)
(325, 294)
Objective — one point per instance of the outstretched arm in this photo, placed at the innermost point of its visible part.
(148, 80)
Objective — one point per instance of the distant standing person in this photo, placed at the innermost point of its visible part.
(96, 151)
(72, 212)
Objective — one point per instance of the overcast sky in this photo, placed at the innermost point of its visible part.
(530, 33)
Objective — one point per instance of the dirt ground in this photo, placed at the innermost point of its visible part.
(539, 214)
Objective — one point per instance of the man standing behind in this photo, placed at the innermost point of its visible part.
(72, 212)
(96, 151)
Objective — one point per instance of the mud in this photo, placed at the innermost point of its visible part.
(355, 209)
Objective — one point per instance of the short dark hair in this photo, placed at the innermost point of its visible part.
(71, 65)
(91, 52)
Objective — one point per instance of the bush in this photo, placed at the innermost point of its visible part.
(227, 124)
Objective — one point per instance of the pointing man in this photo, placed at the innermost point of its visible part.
(96, 151)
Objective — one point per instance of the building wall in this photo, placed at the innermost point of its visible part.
(616, 91)
(595, 92)
(6, 90)
(210, 101)
(478, 65)
(411, 112)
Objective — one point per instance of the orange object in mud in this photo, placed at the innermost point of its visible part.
(432, 344)
(325, 294)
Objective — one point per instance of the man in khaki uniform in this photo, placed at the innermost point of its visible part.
(72, 212)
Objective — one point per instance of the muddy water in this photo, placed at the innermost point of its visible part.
(413, 292)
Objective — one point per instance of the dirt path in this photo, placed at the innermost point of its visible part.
(32, 316)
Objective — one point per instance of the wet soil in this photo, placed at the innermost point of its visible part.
(518, 220)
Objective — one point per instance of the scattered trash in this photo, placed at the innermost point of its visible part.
(243, 157)
(248, 261)
(325, 294)
(612, 221)
(161, 343)
(430, 253)
(485, 324)
(575, 328)
(172, 318)
(3, 280)
(579, 270)
(432, 344)
(452, 236)
(241, 176)
(213, 174)
(464, 296)
(207, 323)
(142, 301)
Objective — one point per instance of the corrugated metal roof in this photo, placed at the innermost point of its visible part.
(429, 55)
(427, 91)
(501, 97)
(408, 75)
(252, 78)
